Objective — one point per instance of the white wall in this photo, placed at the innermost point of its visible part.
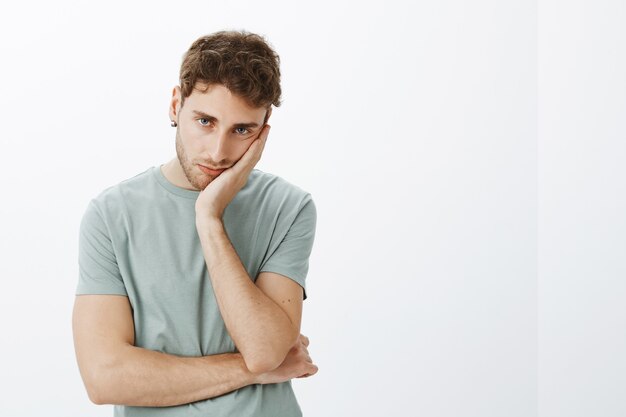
(497, 192)
(582, 206)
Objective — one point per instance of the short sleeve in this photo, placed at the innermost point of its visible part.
(98, 271)
(291, 257)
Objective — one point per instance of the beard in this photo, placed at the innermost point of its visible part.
(196, 178)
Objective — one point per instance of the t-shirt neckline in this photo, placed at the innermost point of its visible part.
(174, 189)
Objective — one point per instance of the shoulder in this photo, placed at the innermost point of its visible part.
(118, 195)
(279, 201)
(268, 188)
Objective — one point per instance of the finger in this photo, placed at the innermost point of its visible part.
(265, 132)
(253, 154)
(259, 143)
(312, 371)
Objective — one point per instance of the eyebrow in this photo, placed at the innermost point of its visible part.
(214, 119)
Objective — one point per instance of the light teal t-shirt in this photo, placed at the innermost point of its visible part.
(139, 239)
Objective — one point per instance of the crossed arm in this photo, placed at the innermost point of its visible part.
(263, 321)
(116, 372)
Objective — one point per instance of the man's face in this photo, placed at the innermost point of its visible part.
(214, 129)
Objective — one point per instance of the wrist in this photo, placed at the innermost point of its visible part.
(208, 223)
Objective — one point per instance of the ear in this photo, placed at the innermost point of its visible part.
(175, 103)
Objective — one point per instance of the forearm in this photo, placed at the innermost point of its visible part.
(142, 377)
(261, 330)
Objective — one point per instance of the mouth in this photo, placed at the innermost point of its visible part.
(209, 171)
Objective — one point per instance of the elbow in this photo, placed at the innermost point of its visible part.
(261, 365)
(259, 361)
(94, 390)
(103, 377)
(98, 387)
(264, 361)
(95, 397)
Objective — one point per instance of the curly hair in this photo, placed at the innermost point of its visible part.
(242, 61)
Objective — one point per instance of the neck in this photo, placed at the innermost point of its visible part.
(174, 173)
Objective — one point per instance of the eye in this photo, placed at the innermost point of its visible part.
(205, 119)
(241, 130)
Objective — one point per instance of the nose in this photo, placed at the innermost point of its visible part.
(218, 147)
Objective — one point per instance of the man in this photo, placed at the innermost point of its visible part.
(192, 273)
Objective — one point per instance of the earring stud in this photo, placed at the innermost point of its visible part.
(174, 124)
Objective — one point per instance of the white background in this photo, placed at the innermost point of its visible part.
(467, 164)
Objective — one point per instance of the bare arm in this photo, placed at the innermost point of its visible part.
(263, 319)
(116, 372)
(263, 326)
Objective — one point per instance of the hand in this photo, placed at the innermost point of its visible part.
(297, 364)
(212, 201)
